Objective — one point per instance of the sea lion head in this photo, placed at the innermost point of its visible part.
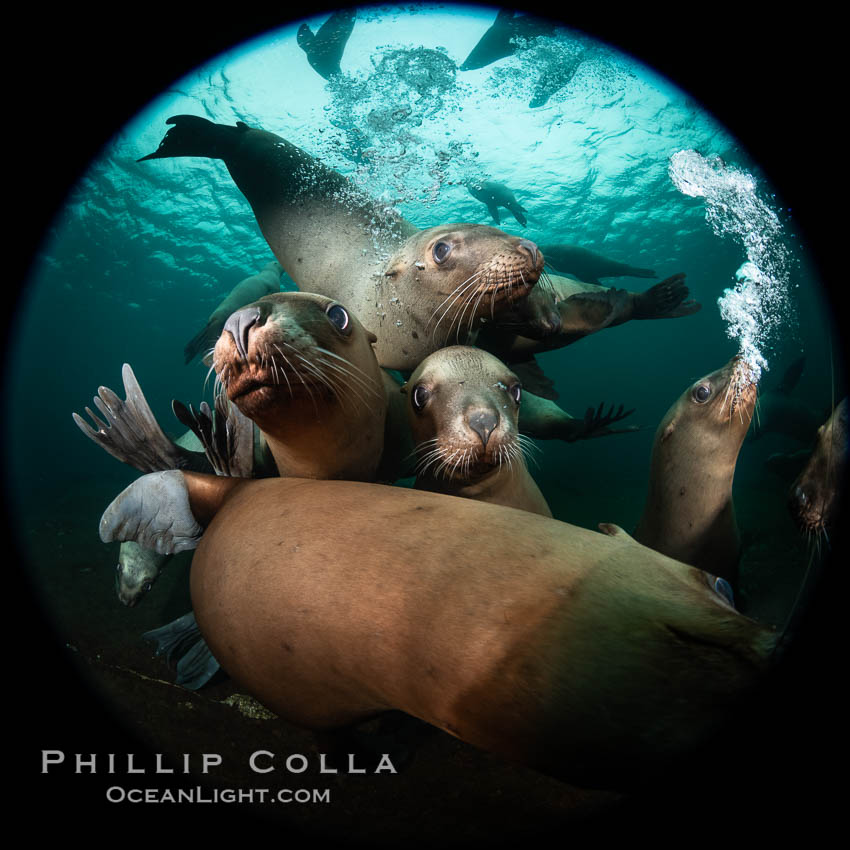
(296, 349)
(463, 409)
(136, 573)
(715, 411)
(816, 497)
(463, 272)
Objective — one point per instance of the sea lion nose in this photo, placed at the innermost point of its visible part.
(483, 422)
(531, 248)
(239, 324)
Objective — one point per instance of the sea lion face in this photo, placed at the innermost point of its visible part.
(721, 403)
(463, 272)
(463, 409)
(816, 496)
(295, 348)
(135, 575)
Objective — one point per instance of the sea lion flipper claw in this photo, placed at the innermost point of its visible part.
(155, 512)
(226, 435)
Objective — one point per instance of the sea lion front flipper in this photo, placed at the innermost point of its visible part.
(181, 638)
(131, 432)
(155, 512)
(587, 312)
(227, 436)
(596, 423)
(493, 207)
(665, 300)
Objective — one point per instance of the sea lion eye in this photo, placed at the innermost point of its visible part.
(146, 587)
(420, 397)
(702, 393)
(339, 318)
(441, 251)
(515, 392)
(724, 589)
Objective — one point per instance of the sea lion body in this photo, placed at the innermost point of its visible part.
(585, 656)
(335, 241)
(252, 288)
(689, 513)
(817, 494)
(588, 266)
(463, 407)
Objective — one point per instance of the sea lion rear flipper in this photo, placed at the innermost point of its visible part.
(534, 380)
(182, 639)
(227, 436)
(518, 213)
(131, 432)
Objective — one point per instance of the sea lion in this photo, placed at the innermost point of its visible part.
(494, 195)
(463, 407)
(585, 656)
(816, 497)
(414, 289)
(138, 568)
(266, 281)
(324, 48)
(588, 266)
(780, 411)
(504, 37)
(689, 513)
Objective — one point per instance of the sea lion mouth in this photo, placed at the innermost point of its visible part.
(741, 391)
(470, 461)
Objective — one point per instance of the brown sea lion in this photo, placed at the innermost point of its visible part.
(463, 408)
(817, 495)
(415, 289)
(689, 513)
(588, 657)
(266, 281)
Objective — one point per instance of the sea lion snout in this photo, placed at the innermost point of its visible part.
(484, 423)
(532, 249)
(239, 325)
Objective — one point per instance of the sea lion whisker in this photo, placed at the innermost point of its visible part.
(365, 383)
(456, 293)
(366, 379)
(477, 273)
(460, 296)
(286, 377)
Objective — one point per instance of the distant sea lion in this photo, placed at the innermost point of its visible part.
(413, 288)
(463, 407)
(504, 38)
(817, 496)
(494, 195)
(779, 411)
(588, 266)
(324, 48)
(266, 281)
(689, 513)
(585, 656)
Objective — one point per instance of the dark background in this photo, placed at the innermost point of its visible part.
(74, 78)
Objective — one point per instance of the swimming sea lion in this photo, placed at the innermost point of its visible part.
(413, 288)
(324, 48)
(689, 513)
(588, 266)
(505, 36)
(585, 656)
(817, 495)
(463, 407)
(494, 195)
(780, 411)
(266, 281)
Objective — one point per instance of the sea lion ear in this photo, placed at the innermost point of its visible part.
(371, 337)
(403, 388)
(668, 430)
(395, 266)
